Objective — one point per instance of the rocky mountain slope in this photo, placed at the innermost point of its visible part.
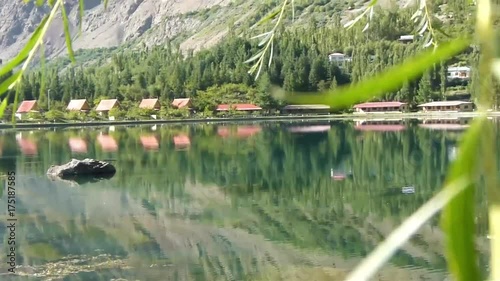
(194, 24)
(124, 20)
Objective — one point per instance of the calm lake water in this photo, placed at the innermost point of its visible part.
(263, 201)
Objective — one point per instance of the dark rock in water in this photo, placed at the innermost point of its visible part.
(86, 167)
(80, 180)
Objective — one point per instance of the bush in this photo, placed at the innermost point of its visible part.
(75, 116)
(118, 113)
(139, 113)
(54, 115)
(35, 115)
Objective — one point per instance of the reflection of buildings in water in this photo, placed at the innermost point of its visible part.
(445, 123)
(27, 147)
(107, 142)
(247, 131)
(380, 125)
(341, 172)
(310, 129)
(150, 142)
(182, 141)
(77, 145)
(408, 189)
(241, 131)
(337, 176)
(223, 131)
(452, 152)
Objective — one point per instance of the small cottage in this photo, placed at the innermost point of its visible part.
(242, 107)
(152, 104)
(306, 109)
(380, 107)
(339, 58)
(406, 38)
(78, 105)
(458, 72)
(106, 105)
(26, 107)
(449, 106)
(182, 103)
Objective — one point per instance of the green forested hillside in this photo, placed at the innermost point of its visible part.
(300, 62)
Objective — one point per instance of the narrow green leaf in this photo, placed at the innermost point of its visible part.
(269, 17)
(43, 70)
(378, 257)
(261, 35)
(14, 107)
(67, 34)
(105, 4)
(23, 54)
(440, 30)
(496, 68)
(80, 16)
(258, 55)
(39, 2)
(52, 2)
(3, 106)
(6, 84)
(390, 80)
(458, 216)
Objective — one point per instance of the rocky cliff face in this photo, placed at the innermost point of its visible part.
(151, 21)
(194, 24)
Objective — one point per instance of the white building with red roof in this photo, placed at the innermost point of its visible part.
(381, 107)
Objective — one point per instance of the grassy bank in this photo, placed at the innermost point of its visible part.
(368, 116)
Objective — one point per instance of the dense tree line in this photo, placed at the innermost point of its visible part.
(300, 63)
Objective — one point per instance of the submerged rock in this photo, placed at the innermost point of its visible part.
(86, 167)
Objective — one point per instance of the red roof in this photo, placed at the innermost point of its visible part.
(238, 107)
(27, 106)
(108, 143)
(380, 128)
(78, 145)
(150, 142)
(180, 103)
(379, 104)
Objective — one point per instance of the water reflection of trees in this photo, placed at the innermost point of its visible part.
(272, 182)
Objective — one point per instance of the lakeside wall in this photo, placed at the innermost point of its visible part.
(367, 116)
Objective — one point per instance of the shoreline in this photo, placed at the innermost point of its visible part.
(330, 117)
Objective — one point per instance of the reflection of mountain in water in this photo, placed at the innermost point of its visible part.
(235, 208)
